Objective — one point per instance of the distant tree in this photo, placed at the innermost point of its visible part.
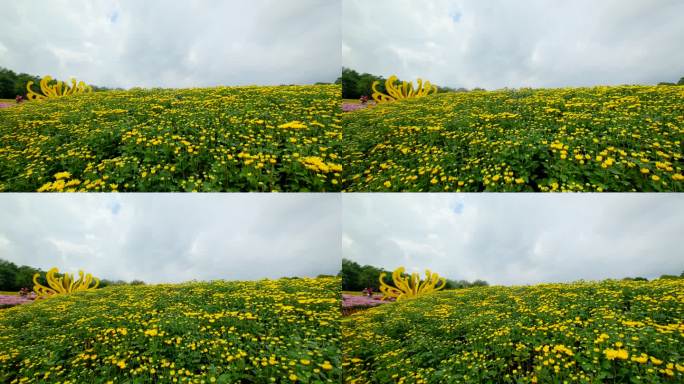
(456, 284)
(369, 278)
(355, 85)
(364, 85)
(21, 81)
(8, 273)
(350, 275)
(137, 282)
(107, 283)
(480, 283)
(24, 277)
(7, 79)
(666, 83)
(13, 277)
(635, 279)
(668, 277)
(349, 81)
(681, 81)
(356, 277)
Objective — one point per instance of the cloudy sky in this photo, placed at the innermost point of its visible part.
(501, 43)
(515, 239)
(127, 43)
(174, 237)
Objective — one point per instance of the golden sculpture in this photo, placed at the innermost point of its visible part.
(403, 91)
(64, 284)
(410, 286)
(59, 89)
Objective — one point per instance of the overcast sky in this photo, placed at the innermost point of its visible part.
(515, 239)
(501, 43)
(174, 237)
(127, 43)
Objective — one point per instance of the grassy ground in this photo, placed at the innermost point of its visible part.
(8, 293)
(354, 293)
(359, 293)
(351, 101)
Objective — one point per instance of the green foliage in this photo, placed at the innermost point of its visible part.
(670, 277)
(460, 284)
(681, 81)
(13, 277)
(355, 85)
(356, 277)
(635, 279)
(606, 332)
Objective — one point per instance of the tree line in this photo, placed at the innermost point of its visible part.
(355, 84)
(13, 277)
(356, 277)
(13, 84)
(680, 82)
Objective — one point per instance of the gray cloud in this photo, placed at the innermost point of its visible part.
(174, 237)
(129, 43)
(498, 43)
(517, 238)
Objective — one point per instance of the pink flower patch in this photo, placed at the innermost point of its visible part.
(14, 300)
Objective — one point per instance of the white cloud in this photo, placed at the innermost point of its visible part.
(517, 238)
(174, 237)
(499, 43)
(150, 43)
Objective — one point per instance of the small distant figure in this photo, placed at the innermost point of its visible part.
(363, 99)
(19, 99)
(24, 291)
(368, 292)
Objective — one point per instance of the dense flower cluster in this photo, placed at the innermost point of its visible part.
(213, 139)
(626, 138)
(612, 331)
(266, 331)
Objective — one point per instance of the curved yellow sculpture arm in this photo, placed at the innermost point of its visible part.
(65, 284)
(410, 286)
(60, 89)
(403, 91)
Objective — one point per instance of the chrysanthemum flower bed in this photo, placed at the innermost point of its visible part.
(205, 139)
(267, 331)
(612, 331)
(626, 138)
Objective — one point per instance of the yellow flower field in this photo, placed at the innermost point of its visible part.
(267, 331)
(604, 332)
(626, 138)
(248, 138)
